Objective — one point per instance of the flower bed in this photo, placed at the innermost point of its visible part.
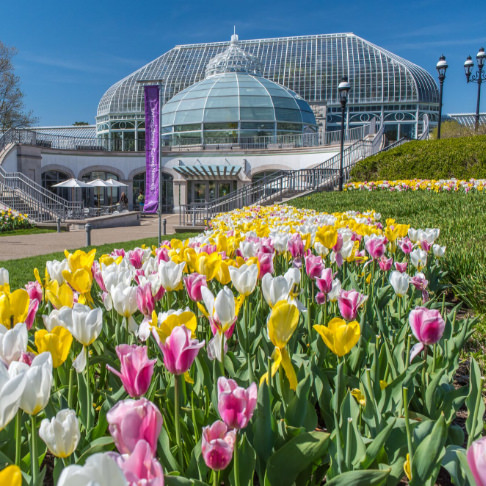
(445, 185)
(282, 346)
(11, 222)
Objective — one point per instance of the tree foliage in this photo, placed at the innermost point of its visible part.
(453, 129)
(12, 111)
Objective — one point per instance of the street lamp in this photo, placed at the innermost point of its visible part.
(343, 89)
(441, 69)
(159, 83)
(478, 78)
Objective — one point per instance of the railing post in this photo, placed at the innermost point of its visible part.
(165, 226)
(87, 228)
(58, 222)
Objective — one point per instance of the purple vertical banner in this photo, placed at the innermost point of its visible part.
(152, 142)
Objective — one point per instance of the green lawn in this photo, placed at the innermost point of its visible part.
(21, 270)
(27, 231)
(462, 222)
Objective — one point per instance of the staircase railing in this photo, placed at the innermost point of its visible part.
(39, 203)
(425, 132)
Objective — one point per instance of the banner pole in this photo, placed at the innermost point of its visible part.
(160, 164)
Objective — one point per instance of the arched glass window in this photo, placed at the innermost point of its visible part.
(51, 177)
(167, 191)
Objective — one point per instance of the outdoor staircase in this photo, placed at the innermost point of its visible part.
(285, 185)
(23, 195)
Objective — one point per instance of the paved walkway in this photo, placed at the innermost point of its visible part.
(22, 246)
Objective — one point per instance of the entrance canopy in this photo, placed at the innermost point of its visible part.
(212, 171)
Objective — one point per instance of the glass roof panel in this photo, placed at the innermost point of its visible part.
(189, 116)
(257, 113)
(284, 114)
(221, 114)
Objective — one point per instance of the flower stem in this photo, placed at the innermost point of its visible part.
(176, 418)
(236, 463)
(18, 437)
(88, 395)
(215, 478)
(33, 453)
(407, 424)
(70, 388)
(222, 354)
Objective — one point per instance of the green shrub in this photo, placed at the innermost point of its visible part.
(462, 158)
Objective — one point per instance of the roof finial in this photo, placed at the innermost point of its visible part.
(234, 37)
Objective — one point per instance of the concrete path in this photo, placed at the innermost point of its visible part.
(22, 246)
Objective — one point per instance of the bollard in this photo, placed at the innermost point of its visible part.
(87, 227)
(165, 226)
(58, 224)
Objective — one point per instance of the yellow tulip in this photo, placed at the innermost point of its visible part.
(165, 327)
(59, 295)
(80, 280)
(281, 325)
(339, 336)
(407, 468)
(190, 256)
(327, 235)
(360, 398)
(11, 475)
(208, 264)
(14, 307)
(223, 275)
(57, 342)
(80, 259)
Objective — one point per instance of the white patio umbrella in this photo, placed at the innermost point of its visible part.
(98, 183)
(73, 184)
(112, 183)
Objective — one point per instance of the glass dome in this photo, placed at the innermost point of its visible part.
(234, 106)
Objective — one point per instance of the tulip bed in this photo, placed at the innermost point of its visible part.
(280, 347)
(445, 185)
(11, 222)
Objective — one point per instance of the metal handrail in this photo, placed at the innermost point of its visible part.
(425, 132)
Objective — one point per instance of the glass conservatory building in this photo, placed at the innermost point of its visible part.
(305, 68)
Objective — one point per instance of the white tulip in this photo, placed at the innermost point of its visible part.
(13, 342)
(244, 278)
(275, 289)
(115, 274)
(38, 382)
(55, 269)
(124, 301)
(429, 235)
(248, 249)
(280, 242)
(222, 308)
(335, 290)
(413, 234)
(53, 320)
(292, 275)
(99, 470)
(170, 274)
(85, 325)
(347, 249)
(418, 258)
(4, 276)
(61, 433)
(439, 251)
(399, 281)
(11, 389)
(320, 249)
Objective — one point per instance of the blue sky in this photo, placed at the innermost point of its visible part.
(69, 53)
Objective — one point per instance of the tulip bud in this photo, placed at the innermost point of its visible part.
(476, 458)
(244, 278)
(399, 282)
(61, 433)
(217, 445)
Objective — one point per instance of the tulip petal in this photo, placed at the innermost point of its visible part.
(80, 362)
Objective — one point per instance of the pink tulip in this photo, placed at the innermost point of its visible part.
(145, 299)
(425, 245)
(296, 246)
(140, 467)
(133, 420)
(135, 257)
(349, 301)
(476, 458)
(34, 290)
(236, 404)
(209, 249)
(314, 265)
(427, 326)
(118, 252)
(179, 349)
(31, 313)
(266, 263)
(96, 271)
(401, 267)
(324, 283)
(385, 263)
(217, 445)
(162, 254)
(135, 369)
(193, 284)
(375, 247)
(406, 245)
(339, 244)
(320, 298)
(27, 358)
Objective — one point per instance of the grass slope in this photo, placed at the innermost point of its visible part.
(462, 158)
(22, 270)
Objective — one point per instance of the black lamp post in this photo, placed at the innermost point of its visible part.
(441, 69)
(478, 78)
(343, 89)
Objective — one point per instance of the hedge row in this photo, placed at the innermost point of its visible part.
(462, 158)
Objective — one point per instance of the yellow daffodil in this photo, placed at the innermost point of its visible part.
(11, 475)
(339, 336)
(14, 307)
(281, 325)
(57, 342)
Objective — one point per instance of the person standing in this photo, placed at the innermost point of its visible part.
(141, 200)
